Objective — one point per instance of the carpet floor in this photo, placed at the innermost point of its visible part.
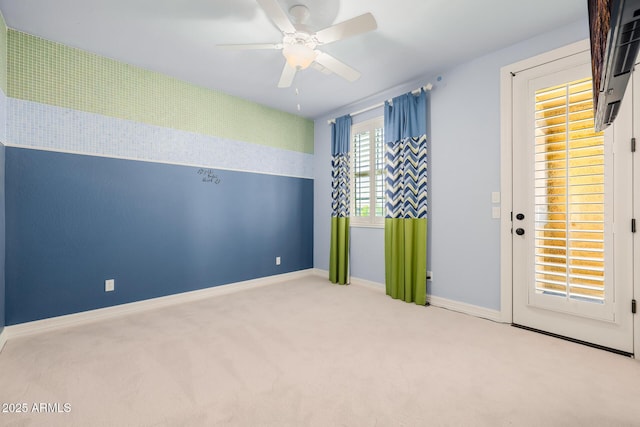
(307, 353)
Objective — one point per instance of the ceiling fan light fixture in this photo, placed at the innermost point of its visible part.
(299, 56)
(299, 41)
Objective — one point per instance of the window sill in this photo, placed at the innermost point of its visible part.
(362, 225)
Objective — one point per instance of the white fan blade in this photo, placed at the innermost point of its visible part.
(337, 67)
(318, 67)
(351, 27)
(288, 73)
(251, 46)
(277, 15)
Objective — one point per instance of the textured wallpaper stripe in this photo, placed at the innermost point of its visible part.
(42, 126)
(51, 73)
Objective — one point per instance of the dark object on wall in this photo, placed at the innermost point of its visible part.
(614, 27)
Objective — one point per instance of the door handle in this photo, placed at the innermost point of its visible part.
(519, 231)
(520, 216)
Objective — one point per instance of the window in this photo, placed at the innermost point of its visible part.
(367, 173)
(570, 194)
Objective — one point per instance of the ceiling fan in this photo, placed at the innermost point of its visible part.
(299, 43)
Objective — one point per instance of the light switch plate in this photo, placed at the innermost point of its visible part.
(495, 212)
(109, 285)
(495, 197)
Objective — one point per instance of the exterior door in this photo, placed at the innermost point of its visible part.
(572, 208)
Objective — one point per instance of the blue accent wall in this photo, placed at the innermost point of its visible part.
(73, 221)
(2, 240)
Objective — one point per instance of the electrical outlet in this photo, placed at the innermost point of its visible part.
(429, 275)
(109, 285)
(277, 260)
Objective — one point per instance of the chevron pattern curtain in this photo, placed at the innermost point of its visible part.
(340, 201)
(405, 227)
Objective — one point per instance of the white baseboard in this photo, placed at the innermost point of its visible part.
(319, 272)
(3, 338)
(369, 284)
(353, 280)
(59, 322)
(52, 323)
(460, 307)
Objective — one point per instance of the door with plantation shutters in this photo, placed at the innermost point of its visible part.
(572, 208)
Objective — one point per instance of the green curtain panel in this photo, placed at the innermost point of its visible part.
(405, 253)
(339, 250)
(405, 228)
(339, 262)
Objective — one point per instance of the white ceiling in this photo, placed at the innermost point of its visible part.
(178, 37)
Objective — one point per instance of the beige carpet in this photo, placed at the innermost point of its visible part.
(308, 353)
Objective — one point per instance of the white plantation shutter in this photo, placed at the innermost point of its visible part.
(367, 173)
(361, 173)
(569, 194)
(379, 172)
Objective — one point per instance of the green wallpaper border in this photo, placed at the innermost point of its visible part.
(3, 54)
(47, 72)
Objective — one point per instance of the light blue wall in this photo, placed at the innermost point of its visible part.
(464, 133)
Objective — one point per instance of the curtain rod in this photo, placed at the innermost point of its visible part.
(428, 86)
